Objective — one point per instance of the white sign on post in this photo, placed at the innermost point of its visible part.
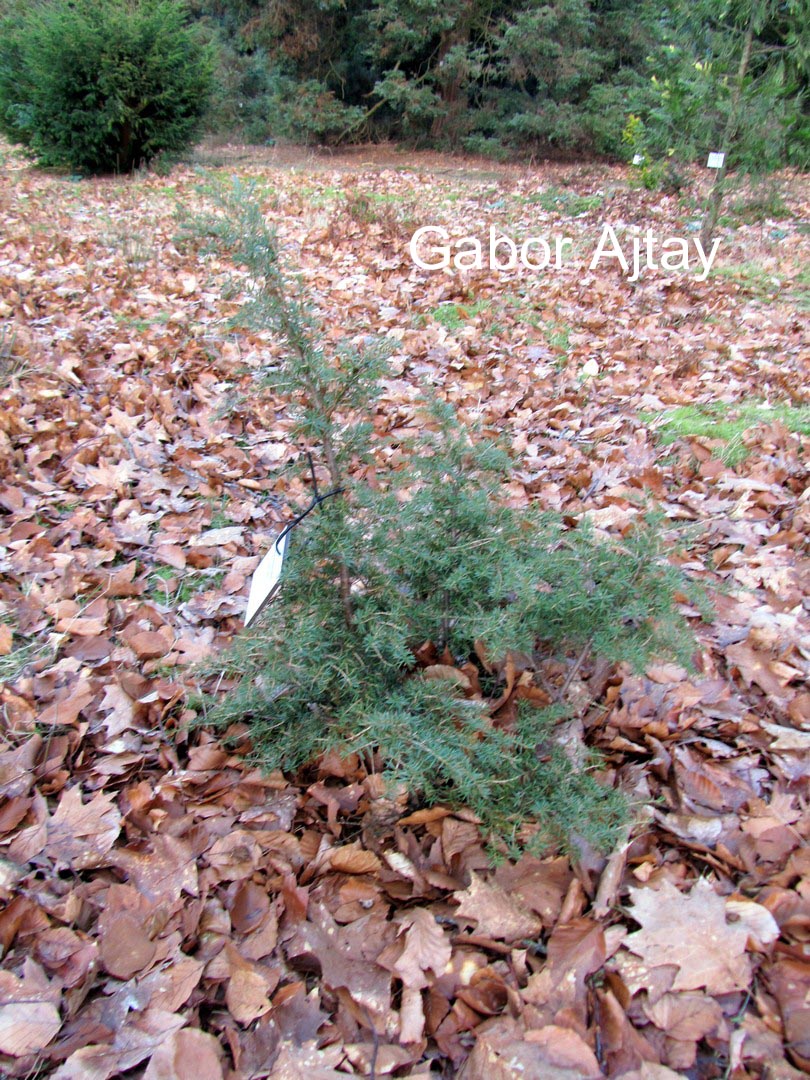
(716, 160)
(265, 582)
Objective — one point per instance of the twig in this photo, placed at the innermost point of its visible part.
(372, 1067)
(572, 674)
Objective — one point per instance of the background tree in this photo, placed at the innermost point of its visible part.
(485, 75)
(102, 85)
(733, 77)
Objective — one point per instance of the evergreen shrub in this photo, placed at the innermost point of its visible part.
(102, 85)
(387, 593)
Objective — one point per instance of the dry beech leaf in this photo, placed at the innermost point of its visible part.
(120, 709)
(789, 981)
(229, 534)
(65, 711)
(29, 1017)
(504, 1050)
(426, 948)
(250, 906)
(148, 644)
(186, 1055)
(447, 673)
(125, 946)
(133, 1042)
(787, 738)
(762, 927)
(353, 859)
(27, 1027)
(648, 1070)
(170, 987)
(565, 1049)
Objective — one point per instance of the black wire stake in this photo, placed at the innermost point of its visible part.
(266, 580)
(316, 501)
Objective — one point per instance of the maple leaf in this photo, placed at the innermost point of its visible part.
(114, 476)
(162, 873)
(348, 956)
(757, 667)
(495, 912)
(686, 1017)
(691, 932)
(80, 834)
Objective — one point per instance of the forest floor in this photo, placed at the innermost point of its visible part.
(170, 911)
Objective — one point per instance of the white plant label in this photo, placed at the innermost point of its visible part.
(265, 582)
(716, 160)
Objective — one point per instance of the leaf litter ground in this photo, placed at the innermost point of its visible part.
(168, 910)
